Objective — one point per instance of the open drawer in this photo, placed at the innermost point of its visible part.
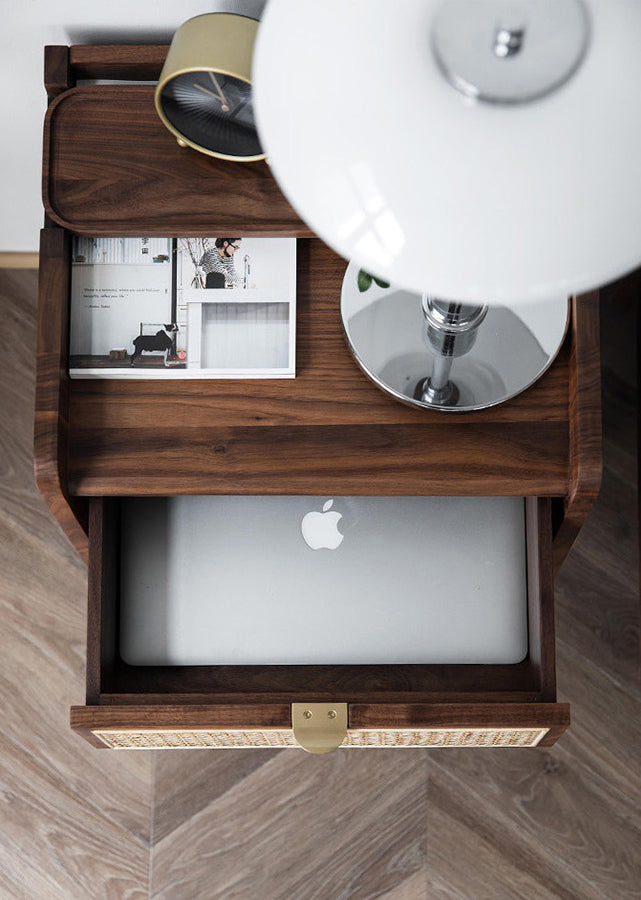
(495, 686)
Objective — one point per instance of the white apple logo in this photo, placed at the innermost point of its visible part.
(320, 529)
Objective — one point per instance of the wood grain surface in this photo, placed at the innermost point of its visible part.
(112, 168)
(585, 428)
(561, 823)
(51, 427)
(68, 821)
(343, 826)
(329, 430)
(58, 75)
(118, 61)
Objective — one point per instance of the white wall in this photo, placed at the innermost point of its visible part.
(27, 26)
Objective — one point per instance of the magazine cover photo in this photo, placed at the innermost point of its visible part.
(213, 307)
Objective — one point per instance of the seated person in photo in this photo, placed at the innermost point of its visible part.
(218, 264)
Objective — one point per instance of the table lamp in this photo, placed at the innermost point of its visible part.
(482, 157)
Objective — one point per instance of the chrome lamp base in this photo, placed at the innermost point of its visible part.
(439, 354)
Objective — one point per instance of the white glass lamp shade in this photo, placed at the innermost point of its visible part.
(478, 201)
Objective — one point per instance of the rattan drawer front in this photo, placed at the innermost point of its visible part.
(420, 737)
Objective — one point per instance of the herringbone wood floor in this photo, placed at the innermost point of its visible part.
(399, 824)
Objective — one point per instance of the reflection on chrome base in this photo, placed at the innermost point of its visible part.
(430, 395)
(447, 356)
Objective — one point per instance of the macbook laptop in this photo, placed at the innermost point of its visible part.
(318, 580)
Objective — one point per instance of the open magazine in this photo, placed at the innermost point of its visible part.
(183, 308)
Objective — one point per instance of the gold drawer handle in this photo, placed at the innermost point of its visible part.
(319, 727)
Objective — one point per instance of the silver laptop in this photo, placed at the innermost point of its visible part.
(319, 580)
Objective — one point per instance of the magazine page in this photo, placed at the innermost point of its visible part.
(183, 308)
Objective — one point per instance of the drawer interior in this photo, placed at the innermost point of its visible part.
(298, 580)
(426, 598)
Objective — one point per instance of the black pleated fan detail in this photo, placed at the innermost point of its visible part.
(214, 111)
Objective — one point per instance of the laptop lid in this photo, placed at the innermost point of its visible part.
(319, 580)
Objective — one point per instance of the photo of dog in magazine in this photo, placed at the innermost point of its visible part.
(219, 307)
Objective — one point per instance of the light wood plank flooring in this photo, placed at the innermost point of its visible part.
(563, 822)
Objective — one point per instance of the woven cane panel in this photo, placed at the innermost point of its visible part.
(451, 737)
(188, 740)
(425, 737)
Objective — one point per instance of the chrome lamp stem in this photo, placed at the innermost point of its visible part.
(449, 331)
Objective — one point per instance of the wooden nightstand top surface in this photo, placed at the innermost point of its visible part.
(112, 168)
